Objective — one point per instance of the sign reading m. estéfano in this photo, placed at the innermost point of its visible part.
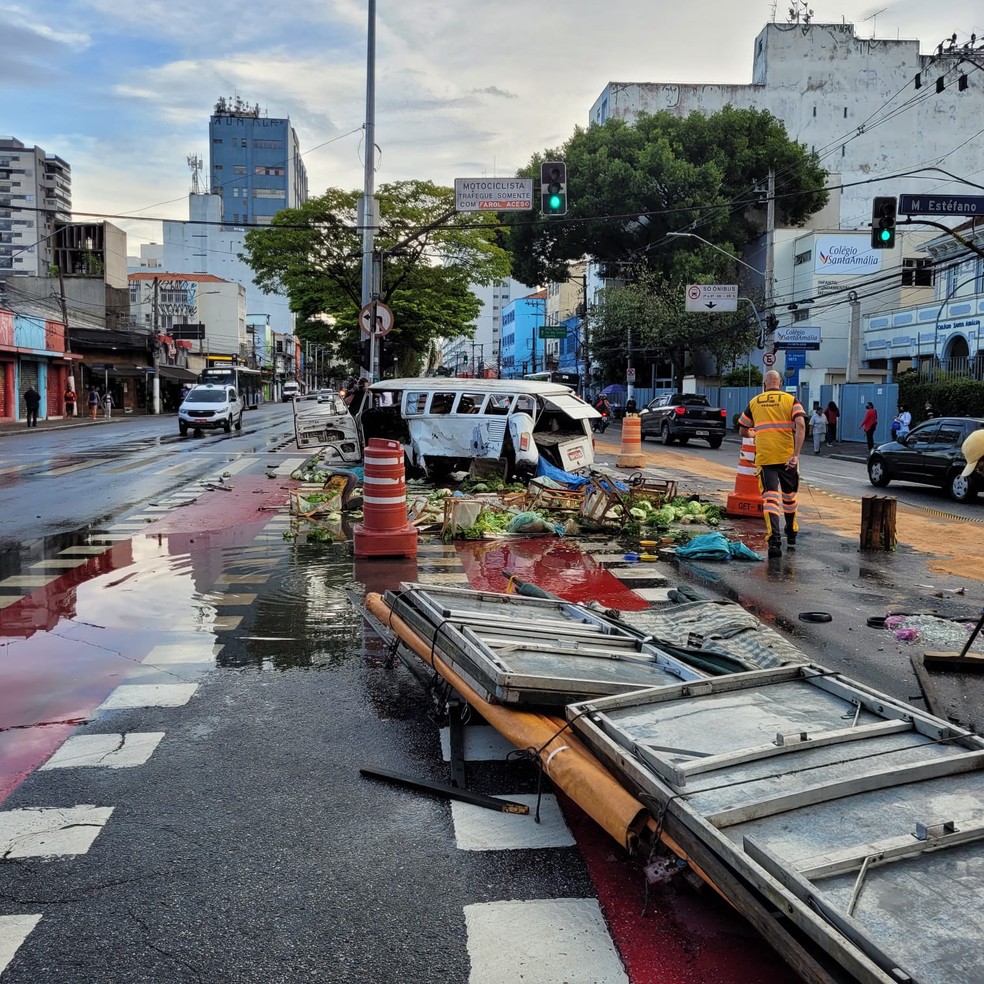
(845, 255)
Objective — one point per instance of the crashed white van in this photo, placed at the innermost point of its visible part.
(444, 424)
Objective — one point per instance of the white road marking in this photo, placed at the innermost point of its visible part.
(83, 550)
(654, 594)
(285, 467)
(7, 600)
(482, 744)
(184, 653)
(479, 829)
(63, 564)
(425, 578)
(13, 931)
(149, 695)
(45, 832)
(549, 941)
(233, 599)
(105, 751)
(28, 580)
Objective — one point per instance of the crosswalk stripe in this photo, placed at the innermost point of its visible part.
(105, 751)
(13, 931)
(44, 832)
(149, 695)
(550, 941)
(479, 829)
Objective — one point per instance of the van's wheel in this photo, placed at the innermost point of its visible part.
(227, 426)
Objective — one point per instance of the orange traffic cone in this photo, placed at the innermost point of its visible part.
(384, 530)
(630, 454)
(746, 500)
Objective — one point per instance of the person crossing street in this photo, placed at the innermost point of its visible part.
(778, 421)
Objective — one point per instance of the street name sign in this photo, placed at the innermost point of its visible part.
(497, 194)
(551, 331)
(941, 204)
(712, 297)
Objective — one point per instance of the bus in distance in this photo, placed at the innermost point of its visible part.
(249, 382)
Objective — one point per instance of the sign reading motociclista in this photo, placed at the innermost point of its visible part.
(483, 194)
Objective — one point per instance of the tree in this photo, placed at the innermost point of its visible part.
(660, 328)
(431, 257)
(628, 185)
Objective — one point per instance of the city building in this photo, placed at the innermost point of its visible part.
(522, 348)
(479, 353)
(255, 164)
(35, 195)
(884, 120)
(940, 332)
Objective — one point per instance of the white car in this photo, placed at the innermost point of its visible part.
(326, 395)
(209, 406)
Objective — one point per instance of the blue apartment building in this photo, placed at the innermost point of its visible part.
(254, 163)
(522, 348)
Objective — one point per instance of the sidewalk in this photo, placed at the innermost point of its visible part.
(14, 428)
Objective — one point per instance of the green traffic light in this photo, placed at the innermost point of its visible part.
(885, 235)
(555, 202)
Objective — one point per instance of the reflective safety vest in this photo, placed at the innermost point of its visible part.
(772, 414)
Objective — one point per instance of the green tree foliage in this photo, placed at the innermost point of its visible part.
(742, 375)
(630, 185)
(661, 329)
(313, 254)
(697, 173)
(948, 395)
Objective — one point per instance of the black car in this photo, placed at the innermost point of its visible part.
(930, 454)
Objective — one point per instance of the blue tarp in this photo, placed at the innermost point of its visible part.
(571, 480)
(715, 546)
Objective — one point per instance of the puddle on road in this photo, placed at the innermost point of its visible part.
(554, 565)
(238, 601)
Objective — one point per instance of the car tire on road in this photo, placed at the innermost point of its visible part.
(664, 435)
(961, 489)
(239, 422)
(715, 442)
(878, 474)
(183, 429)
(227, 426)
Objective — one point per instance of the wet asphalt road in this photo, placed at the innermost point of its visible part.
(247, 847)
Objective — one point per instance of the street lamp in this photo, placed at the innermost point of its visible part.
(692, 235)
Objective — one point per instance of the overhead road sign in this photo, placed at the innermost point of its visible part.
(496, 194)
(551, 331)
(712, 297)
(384, 318)
(941, 204)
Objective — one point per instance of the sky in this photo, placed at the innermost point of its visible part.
(123, 91)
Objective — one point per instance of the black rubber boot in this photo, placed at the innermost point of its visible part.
(775, 546)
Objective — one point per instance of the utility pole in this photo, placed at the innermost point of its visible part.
(368, 205)
(68, 339)
(854, 338)
(155, 404)
(770, 244)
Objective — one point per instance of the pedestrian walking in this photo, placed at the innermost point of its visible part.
(32, 400)
(902, 422)
(832, 414)
(779, 424)
(70, 401)
(818, 427)
(107, 402)
(94, 401)
(868, 424)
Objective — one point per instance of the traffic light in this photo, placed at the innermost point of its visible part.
(553, 188)
(883, 223)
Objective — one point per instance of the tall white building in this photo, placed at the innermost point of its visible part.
(873, 111)
(483, 350)
(35, 194)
